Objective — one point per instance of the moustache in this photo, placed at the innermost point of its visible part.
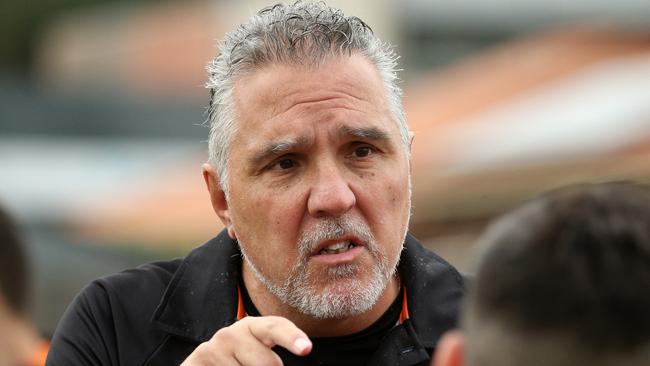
(332, 228)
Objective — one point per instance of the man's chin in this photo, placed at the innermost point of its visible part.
(337, 307)
(339, 298)
(340, 281)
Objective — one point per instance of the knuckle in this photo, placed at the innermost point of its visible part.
(274, 322)
(200, 355)
(226, 332)
(224, 336)
(201, 349)
(269, 327)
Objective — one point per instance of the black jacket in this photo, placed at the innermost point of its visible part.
(158, 313)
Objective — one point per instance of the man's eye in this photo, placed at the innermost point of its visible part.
(285, 164)
(362, 151)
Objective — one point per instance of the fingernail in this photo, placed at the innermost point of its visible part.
(301, 344)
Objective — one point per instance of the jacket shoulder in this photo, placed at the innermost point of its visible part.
(435, 290)
(147, 279)
(109, 321)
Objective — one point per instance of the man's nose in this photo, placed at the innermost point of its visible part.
(330, 193)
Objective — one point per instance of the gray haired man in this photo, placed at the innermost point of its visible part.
(309, 171)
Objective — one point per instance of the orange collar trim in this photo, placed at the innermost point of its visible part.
(241, 312)
(404, 314)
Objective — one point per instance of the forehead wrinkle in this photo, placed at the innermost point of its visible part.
(335, 100)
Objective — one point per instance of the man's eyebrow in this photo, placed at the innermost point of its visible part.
(366, 133)
(276, 148)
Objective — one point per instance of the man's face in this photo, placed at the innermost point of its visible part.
(319, 181)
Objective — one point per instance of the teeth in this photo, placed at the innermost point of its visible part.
(336, 248)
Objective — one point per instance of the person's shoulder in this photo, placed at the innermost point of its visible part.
(146, 278)
(146, 284)
(111, 314)
(423, 262)
(135, 292)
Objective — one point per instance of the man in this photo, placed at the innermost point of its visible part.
(563, 281)
(17, 337)
(309, 171)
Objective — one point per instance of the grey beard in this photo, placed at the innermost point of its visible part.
(345, 294)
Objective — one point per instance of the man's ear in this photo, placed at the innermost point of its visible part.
(218, 197)
(449, 351)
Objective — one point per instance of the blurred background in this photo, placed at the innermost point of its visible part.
(102, 108)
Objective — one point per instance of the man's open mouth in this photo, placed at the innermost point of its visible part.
(336, 248)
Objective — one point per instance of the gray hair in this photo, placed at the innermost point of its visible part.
(303, 33)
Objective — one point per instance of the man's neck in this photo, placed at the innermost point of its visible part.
(268, 304)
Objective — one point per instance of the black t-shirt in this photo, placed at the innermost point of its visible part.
(354, 349)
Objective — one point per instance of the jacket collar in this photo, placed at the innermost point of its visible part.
(202, 295)
(434, 290)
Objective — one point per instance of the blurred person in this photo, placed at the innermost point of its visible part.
(563, 281)
(17, 336)
(309, 171)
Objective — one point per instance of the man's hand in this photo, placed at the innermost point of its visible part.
(249, 341)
